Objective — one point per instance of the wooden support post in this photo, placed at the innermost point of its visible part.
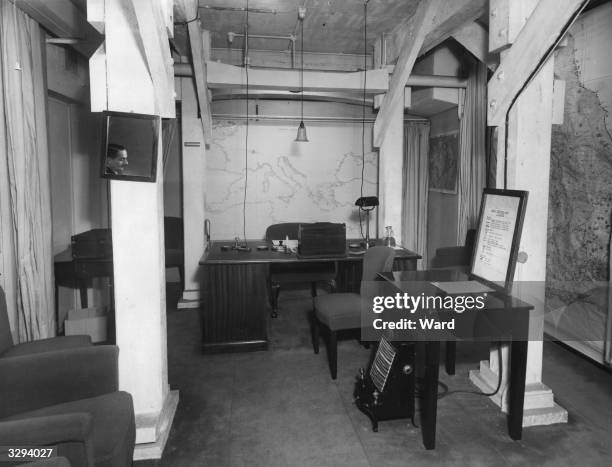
(124, 81)
(193, 167)
(200, 53)
(413, 37)
(533, 41)
(150, 21)
(391, 161)
(528, 168)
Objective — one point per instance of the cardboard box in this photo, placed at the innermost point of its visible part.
(87, 321)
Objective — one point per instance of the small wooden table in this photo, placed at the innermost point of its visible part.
(504, 318)
(77, 273)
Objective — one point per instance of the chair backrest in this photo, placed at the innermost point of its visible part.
(376, 259)
(281, 231)
(6, 339)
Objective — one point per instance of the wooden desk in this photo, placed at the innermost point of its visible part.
(235, 290)
(503, 318)
(77, 273)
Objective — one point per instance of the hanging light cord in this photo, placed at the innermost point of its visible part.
(365, 80)
(302, 68)
(246, 133)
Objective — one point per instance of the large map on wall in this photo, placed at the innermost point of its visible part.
(580, 200)
(443, 162)
(287, 181)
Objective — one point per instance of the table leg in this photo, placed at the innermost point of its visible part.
(429, 409)
(83, 293)
(451, 356)
(518, 370)
(57, 323)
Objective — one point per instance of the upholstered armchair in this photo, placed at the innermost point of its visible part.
(9, 349)
(69, 399)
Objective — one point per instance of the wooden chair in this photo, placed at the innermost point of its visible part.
(342, 311)
(308, 272)
(459, 258)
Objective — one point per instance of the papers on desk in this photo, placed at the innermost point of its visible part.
(462, 287)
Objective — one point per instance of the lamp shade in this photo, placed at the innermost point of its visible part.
(301, 133)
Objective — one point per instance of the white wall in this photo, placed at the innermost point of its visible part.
(287, 181)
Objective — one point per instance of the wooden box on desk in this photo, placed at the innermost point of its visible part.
(87, 321)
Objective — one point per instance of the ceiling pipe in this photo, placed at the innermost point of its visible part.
(291, 38)
(435, 81)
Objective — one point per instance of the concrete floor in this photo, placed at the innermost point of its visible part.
(281, 408)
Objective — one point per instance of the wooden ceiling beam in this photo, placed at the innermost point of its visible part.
(64, 20)
(449, 17)
(185, 10)
(151, 25)
(199, 41)
(222, 75)
(475, 39)
(413, 35)
(533, 41)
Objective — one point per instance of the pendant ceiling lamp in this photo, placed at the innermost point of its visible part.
(301, 133)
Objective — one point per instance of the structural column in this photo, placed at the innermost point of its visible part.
(391, 161)
(140, 307)
(132, 73)
(528, 168)
(193, 152)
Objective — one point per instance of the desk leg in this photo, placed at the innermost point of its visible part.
(518, 370)
(57, 323)
(429, 409)
(83, 293)
(451, 357)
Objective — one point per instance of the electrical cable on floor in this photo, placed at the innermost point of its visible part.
(446, 392)
(536, 70)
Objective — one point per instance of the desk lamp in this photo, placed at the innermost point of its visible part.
(367, 204)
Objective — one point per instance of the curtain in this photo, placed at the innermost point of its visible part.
(23, 151)
(472, 150)
(415, 188)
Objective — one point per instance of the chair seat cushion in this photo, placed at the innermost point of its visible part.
(48, 345)
(114, 428)
(339, 310)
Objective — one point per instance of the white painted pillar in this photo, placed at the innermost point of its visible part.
(391, 160)
(529, 144)
(140, 307)
(194, 197)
